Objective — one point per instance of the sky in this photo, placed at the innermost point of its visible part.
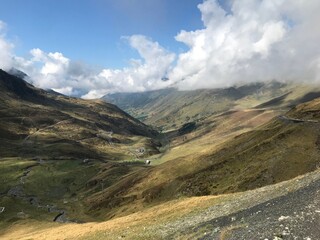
(91, 48)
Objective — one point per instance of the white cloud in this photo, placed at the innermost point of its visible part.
(65, 90)
(5, 49)
(57, 72)
(272, 33)
(256, 41)
(143, 74)
(93, 94)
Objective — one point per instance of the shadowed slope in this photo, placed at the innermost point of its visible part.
(34, 122)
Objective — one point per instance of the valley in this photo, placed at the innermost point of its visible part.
(203, 164)
(160, 120)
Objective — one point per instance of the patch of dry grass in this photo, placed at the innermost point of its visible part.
(149, 223)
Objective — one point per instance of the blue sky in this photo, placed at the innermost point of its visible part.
(91, 30)
(89, 48)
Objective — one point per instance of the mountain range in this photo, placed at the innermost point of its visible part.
(170, 108)
(202, 164)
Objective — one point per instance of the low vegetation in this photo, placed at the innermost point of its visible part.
(75, 161)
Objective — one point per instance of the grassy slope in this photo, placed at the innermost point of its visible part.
(176, 219)
(54, 134)
(276, 151)
(34, 122)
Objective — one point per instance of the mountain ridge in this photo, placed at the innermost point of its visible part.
(170, 108)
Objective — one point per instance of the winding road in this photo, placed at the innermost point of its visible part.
(296, 120)
(41, 129)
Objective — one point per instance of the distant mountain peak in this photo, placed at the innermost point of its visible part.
(18, 73)
(12, 84)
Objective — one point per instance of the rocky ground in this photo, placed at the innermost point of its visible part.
(295, 215)
(292, 212)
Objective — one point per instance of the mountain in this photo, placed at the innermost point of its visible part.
(34, 122)
(258, 179)
(17, 73)
(170, 108)
(250, 162)
(52, 147)
(229, 158)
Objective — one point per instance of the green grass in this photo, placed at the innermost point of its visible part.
(11, 169)
(66, 184)
(61, 183)
(14, 206)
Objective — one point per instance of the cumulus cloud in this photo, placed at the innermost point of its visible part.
(143, 74)
(254, 40)
(5, 49)
(251, 40)
(57, 72)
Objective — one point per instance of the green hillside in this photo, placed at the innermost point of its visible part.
(238, 160)
(53, 147)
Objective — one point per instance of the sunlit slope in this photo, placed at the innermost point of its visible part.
(280, 149)
(170, 109)
(265, 212)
